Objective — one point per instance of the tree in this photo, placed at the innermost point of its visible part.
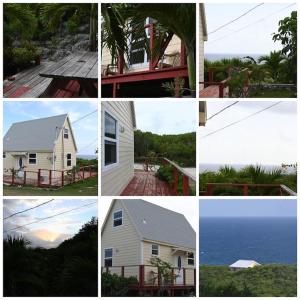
(287, 35)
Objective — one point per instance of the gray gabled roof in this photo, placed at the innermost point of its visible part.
(159, 224)
(34, 135)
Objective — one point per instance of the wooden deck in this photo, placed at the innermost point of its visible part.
(147, 184)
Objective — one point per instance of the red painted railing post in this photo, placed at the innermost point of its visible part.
(50, 177)
(24, 179)
(210, 76)
(114, 90)
(151, 46)
(141, 275)
(122, 271)
(185, 185)
(176, 179)
(39, 177)
(83, 172)
(62, 178)
(184, 276)
(183, 60)
(121, 63)
(90, 170)
(221, 90)
(209, 189)
(245, 190)
(12, 177)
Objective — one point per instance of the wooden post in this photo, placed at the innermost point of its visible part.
(209, 189)
(121, 63)
(210, 76)
(83, 172)
(176, 179)
(24, 179)
(221, 90)
(183, 60)
(122, 271)
(151, 46)
(141, 275)
(114, 94)
(184, 276)
(62, 178)
(12, 177)
(185, 185)
(245, 190)
(50, 177)
(39, 177)
(90, 170)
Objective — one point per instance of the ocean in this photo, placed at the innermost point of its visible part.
(87, 156)
(265, 240)
(218, 56)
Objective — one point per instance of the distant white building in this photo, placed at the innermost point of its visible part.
(244, 264)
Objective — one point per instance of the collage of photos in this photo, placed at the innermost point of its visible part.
(108, 191)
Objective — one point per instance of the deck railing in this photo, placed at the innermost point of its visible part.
(49, 178)
(282, 190)
(148, 275)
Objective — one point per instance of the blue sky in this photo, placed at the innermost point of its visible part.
(48, 233)
(166, 117)
(247, 208)
(86, 131)
(256, 39)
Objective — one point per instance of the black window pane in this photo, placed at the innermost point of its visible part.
(110, 153)
(110, 127)
(108, 253)
(117, 222)
(68, 156)
(118, 214)
(108, 262)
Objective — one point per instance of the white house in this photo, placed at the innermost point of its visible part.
(202, 38)
(134, 231)
(244, 264)
(46, 143)
(117, 144)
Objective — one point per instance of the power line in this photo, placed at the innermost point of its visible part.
(243, 119)
(250, 24)
(64, 212)
(84, 116)
(88, 145)
(222, 110)
(19, 212)
(232, 21)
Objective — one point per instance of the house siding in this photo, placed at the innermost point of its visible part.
(125, 242)
(63, 147)
(115, 178)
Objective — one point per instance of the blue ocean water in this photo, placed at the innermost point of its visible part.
(266, 240)
(218, 56)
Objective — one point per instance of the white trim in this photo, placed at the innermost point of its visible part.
(112, 257)
(142, 253)
(31, 164)
(113, 218)
(104, 138)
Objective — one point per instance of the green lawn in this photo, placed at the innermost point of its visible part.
(269, 93)
(88, 187)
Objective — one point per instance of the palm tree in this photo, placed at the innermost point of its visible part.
(53, 13)
(273, 63)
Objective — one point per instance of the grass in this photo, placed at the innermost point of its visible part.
(272, 93)
(87, 187)
(262, 281)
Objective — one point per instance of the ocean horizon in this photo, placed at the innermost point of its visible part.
(87, 156)
(267, 240)
(219, 56)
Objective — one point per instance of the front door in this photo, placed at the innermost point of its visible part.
(178, 269)
(20, 165)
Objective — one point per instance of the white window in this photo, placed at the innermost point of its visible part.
(108, 257)
(110, 140)
(32, 159)
(191, 259)
(117, 218)
(69, 159)
(4, 154)
(66, 133)
(155, 249)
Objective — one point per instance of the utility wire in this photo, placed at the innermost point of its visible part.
(222, 110)
(84, 116)
(88, 145)
(250, 24)
(243, 119)
(19, 212)
(64, 212)
(232, 21)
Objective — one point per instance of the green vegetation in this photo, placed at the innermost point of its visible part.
(87, 187)
(261, 281)
(180, 148)
(71, 269)
(86, 162)
(270, 93)
(250, 174)
(28, 27)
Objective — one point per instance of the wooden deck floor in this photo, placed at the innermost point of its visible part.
(211, 91)
(146, 184)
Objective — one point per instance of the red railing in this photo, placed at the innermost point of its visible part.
(49, 178)
(282, 189)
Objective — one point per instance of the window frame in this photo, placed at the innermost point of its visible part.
(106, 258)
(116, 140)
(191, 259)
(157, 250)
(113, 218)
(66, 135)
(29, 158)
(69, 159)
(4, 155)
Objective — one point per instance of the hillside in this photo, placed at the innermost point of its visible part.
(71, 269)
(263, 281)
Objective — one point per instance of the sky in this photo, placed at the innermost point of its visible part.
(185, 206)
(256, 39)
(166, 117)
(268, 138)
(47, 233)
(85, 131)
(247, 208)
